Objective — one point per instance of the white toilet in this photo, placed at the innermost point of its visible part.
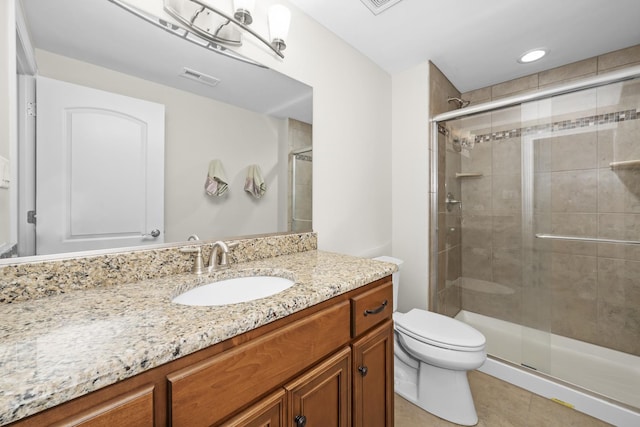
(432, 356)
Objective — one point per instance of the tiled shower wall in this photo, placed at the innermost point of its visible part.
(300, 136)
(448, 296)
(586, 291)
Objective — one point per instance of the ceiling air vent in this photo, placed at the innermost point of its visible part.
(378, 6)
(199, 77)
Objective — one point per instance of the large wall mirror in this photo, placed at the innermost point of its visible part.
(90, 162)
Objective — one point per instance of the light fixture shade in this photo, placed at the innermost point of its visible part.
(279, 20)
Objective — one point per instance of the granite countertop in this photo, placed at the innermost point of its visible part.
(57, 348)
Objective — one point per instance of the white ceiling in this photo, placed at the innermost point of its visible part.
(476, 43)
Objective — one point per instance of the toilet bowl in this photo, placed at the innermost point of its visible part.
(432, 354)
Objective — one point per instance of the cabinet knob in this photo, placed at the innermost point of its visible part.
(363, 370)
(300, 420)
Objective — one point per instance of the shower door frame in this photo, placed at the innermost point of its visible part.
(587, 83)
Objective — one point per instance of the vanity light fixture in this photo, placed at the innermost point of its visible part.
(532, 55)
(217, 26)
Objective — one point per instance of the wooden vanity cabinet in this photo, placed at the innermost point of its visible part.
(373, 378)
(330, 365)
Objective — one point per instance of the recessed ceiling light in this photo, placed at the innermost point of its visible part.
(532, 55)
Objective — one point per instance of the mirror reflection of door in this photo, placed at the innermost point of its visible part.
(99, 169)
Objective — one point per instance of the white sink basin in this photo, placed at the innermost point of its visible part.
(235, 290)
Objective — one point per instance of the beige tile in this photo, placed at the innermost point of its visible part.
(476, 230)
(407, 414)
(506, 156)
(576, 151)
(507, 231)
(442, 231)
(507, 267)
(500, 306)
(477, 262)
(565, 73)
(478, 96)
(545, 412)
(474, 195)
(442, 270)
(574, 317)
(618, 327)
(612, 192)
(611, 280)
(478, 160)
(574, 224)
(506, 193)
(618, 58)
(454, 263)
(499, 404)
(574, 191)
(542, 192)
(441, 90)
(512, 87)
(574, 276)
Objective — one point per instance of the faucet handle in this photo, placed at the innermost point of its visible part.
(198, 262)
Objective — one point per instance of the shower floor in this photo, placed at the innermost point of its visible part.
(606, 372)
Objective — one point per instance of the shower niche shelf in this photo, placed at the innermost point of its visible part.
(468, 175)
(626, 164)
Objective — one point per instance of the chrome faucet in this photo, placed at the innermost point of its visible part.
(216, 247)
(198, 262)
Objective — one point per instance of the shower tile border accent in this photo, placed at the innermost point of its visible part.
(28, 281)
(580, 122)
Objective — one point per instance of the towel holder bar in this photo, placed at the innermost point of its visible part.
(586, 239)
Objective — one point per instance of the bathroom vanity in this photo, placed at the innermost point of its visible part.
(320, 352)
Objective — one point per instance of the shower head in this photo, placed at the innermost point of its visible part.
(459, 101)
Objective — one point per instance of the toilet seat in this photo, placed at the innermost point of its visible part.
(438, 330)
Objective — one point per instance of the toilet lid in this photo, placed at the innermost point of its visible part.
(441, 331)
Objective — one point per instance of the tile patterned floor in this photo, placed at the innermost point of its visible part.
(500, 404)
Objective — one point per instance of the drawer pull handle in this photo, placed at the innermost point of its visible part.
(363, 370)
(377, 310)
(300, 420)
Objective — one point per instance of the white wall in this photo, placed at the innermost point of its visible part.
(351, 131)
(197, 130)
(410, 176)
(8, 115)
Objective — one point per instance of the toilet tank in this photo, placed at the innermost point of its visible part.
(395, 277)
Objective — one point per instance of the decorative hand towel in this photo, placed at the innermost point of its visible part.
(216, 183)
(254, 183)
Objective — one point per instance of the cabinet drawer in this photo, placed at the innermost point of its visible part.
(207, 392)
(133, 408)
(370, 308)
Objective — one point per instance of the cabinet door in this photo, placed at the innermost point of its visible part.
(322, 396)
(269, 412)
(373, 378)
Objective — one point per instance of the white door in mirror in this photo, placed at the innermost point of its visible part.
(100, 169)
(233, 291)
